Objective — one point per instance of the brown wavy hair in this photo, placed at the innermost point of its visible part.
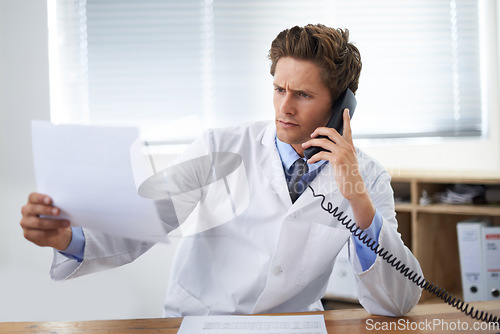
(327, 47)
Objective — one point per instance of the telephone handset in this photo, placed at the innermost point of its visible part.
(345, 100)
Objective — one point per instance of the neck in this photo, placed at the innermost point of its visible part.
(298, 148)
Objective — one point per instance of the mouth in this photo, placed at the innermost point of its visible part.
(287, 124)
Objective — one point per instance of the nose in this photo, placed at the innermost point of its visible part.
(287, 105)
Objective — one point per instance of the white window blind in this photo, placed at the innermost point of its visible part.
(178, 66)
(421, 70)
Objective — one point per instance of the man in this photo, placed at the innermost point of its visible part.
(278, 254)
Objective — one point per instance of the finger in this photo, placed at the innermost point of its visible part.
(324, 143)
(37, 210)
(347, 133)
(322, 155)
(37, 198)
(41, 237)
(44, 223)
(331, 133)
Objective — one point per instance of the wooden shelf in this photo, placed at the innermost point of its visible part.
(430, 230)
(451, 209)
(404, 207)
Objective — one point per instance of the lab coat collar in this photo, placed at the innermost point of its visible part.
(271, 167)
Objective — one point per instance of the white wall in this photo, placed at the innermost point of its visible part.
(136, 290)
(26, 291)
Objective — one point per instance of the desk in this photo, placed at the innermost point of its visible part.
(338, 321)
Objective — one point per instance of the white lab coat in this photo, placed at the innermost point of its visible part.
(275, 256)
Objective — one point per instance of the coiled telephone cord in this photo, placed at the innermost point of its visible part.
(407, 272)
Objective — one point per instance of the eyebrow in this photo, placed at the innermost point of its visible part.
(295, 90)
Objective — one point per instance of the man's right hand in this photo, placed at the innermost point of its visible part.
(50, 232)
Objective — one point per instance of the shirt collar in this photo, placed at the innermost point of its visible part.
(289, 156)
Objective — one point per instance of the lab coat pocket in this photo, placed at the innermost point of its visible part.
(180, 302)
(322, 246)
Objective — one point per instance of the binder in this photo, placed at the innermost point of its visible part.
(471, 259)
(491, 254)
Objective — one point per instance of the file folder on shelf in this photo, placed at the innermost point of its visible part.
(471, 259)
(491, 255)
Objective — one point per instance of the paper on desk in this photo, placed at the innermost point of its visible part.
(87, 171)
(304, 324)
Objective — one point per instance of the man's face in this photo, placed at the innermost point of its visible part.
(302, 102)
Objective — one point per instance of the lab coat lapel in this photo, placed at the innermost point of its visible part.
(271, 167)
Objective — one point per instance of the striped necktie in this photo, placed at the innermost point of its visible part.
(295, 172)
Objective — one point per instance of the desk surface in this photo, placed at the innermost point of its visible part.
(428, 318)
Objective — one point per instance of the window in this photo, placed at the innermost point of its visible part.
(174, 67)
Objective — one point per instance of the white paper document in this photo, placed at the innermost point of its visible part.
(304, 324)
(87, 171)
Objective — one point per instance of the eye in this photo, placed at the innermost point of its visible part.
(279, 89)
(302, 94)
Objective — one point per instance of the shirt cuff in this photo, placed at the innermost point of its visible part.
(365, 254)
(76, 246)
